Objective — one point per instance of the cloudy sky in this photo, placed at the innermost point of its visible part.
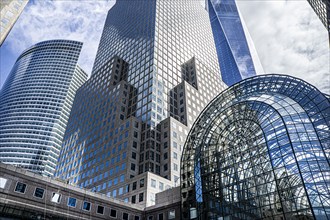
(288, 36)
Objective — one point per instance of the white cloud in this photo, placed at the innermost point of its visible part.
(46, 20)
(290, 39)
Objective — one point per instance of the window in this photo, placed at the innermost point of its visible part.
(120, 191)
(136, 217)
(161, 186)
(171, 214)
(141, 197)
(141, 183)
(141, 158)
(20, 187)
(160, 216)
(134, 155)
(133, 199)
(153, 183)
(72, 202)
(3, 182)
(134, 185)
(113, 213)
(175, 155)
(150, 218)
(193, 213)
(133, 166)
(176, 178)
(125, 216)
(39, 193)
(165, 167)
(100, 209)
(86, 206)
(157, 169)
(56, 197)
(175, 167)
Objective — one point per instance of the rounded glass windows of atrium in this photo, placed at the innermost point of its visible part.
(260, 150)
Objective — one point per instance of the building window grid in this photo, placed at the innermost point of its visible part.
(272, 124)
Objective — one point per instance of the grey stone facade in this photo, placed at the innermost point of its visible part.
(26, 195)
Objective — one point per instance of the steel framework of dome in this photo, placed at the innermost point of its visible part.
(260, 150)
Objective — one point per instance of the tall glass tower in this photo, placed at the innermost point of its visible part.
(35, 104)
(155, 70)
(234, 56)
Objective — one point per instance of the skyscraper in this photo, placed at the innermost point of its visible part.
(35, 103)
(155, 70)
(322, 9)
(10, 10)
(234, 55)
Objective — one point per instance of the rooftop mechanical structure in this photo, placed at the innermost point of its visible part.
(260, 150)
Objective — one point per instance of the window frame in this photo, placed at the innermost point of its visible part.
(24, 187)
(60, 197)
(113, 216)
(90, 206)
(34, 193)
(75, 204)
(124, 214)
(169, 212)
(3, 182)
(97, 209)
(159, 215)
(153, 183)
(141, 200)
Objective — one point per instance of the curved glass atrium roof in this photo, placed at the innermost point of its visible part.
(260, 150)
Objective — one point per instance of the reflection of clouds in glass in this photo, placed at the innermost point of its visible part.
(232, 46)
(244, 64)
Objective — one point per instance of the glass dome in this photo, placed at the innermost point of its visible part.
(260, 150)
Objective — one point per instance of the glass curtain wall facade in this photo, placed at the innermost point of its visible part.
(260, 150)
(35, 103)
(138, 32)
(233, 51)
(322, 9)
(171, 73)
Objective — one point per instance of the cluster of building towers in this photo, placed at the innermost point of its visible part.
(122, 132)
